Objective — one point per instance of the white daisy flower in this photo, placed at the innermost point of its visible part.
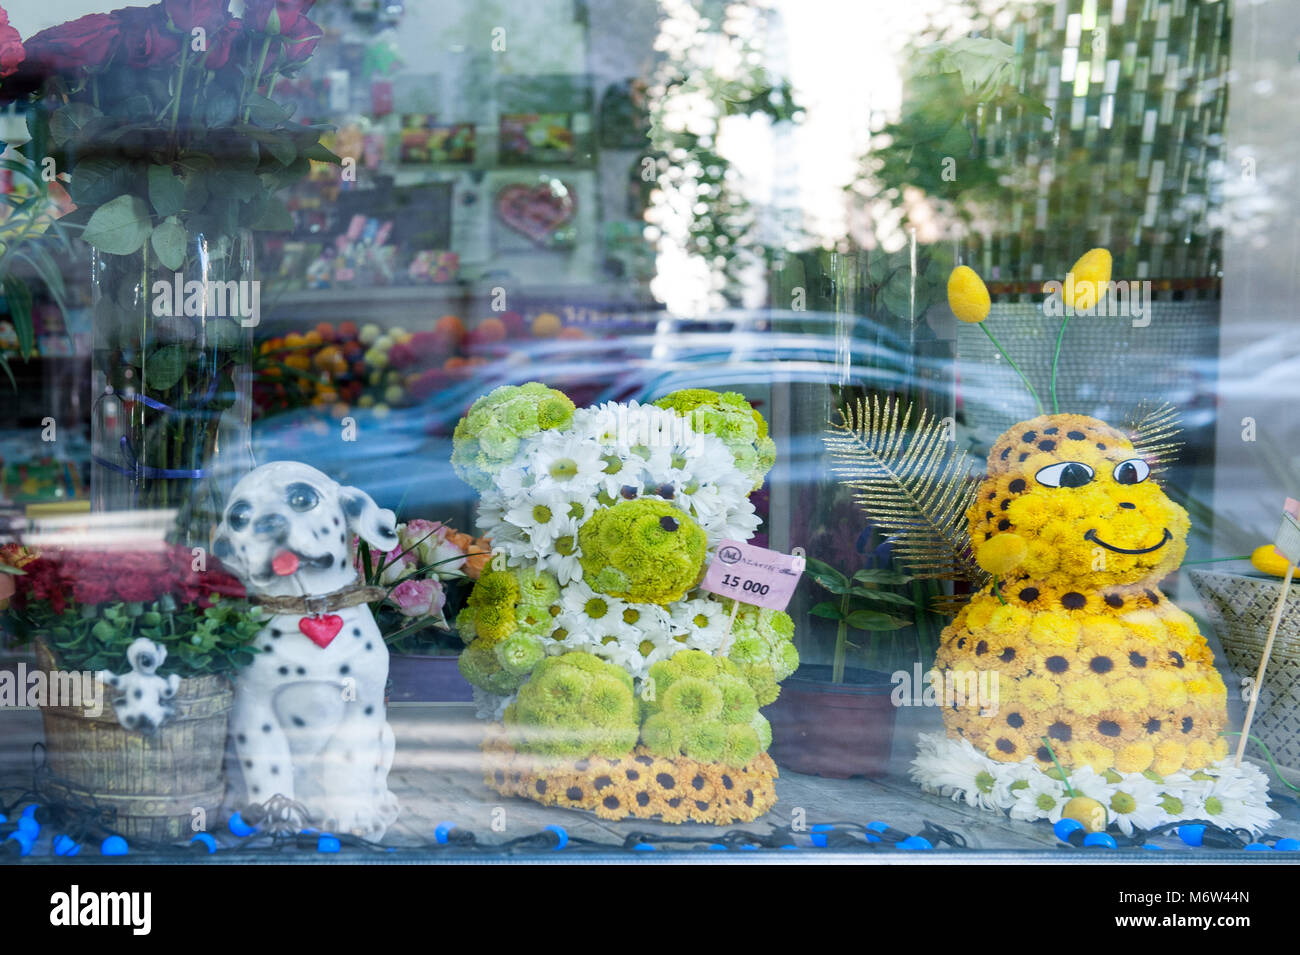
(954, 768)
(1042, 797)
(1135, 804)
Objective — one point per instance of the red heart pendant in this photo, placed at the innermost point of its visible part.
(321, 630)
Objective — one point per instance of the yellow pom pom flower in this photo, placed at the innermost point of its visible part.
(968, 296)
(1085, 282)
(1266, 559)
(1135, 757)
(1002, 553)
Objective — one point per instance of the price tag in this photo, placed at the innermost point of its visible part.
(754, 575)
(1287, 540)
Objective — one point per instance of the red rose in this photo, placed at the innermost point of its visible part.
(88, 41)
(145, 36)
(11, 47)
(223, 44)
(185, 15)
(300, 40)
(275, 16)
(135, 589)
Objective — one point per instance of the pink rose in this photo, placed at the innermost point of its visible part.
(418, 598)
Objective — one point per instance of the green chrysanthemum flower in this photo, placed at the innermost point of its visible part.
(644, 550)
(705, 741)
(732, 419)
(487, 438)
(764, 730)
(575, 704)
(691, 698)
(662, 735)
(741, 746)
(738, 702)
(520, 653)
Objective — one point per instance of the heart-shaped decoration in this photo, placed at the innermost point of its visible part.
(537, 212)
(321, 630)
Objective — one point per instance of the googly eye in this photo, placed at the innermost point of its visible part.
(301, 497)
(1132, 471)
(1065, 474)
(237, 519)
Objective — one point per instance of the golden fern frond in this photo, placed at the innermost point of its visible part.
(1154, 432)
(911, 482)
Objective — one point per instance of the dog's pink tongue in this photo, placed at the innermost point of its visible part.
(285, 563)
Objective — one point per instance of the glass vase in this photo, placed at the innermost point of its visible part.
(171, 369)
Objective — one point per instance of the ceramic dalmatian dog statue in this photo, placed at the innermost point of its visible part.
(309, 721)
(142, 696)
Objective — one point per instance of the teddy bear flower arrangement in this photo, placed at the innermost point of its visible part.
(1108, 696)
(619, 686)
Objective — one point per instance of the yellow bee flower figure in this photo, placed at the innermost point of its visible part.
(1106, 689)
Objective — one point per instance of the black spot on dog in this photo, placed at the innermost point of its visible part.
(275, 770)
(283, 671)
(256, 790)
(275, 632)
(336, 522)
(241, 738)
(369, 710)
(370, 646)
(248, 764)
(302, 671)
(356, 631)
(138, 694)
(299, 721)
(1016, 486)
(266, 727)
(268, 649)
(345, 669)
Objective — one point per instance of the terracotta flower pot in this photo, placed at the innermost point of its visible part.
(835, 730)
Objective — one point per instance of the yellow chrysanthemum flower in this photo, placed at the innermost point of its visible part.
(1166, 689)
(981, 612)
(1144, 624)
(1200, 753)
(1086, 696)
(1054, 630)
(1135, 757)
(1037, 693)
(1129, 694)
(1089, 753)
(1170, 755)
(1103, 631)
(1220, 748)
(1010, 623)
(1001, 554)
(968, 296)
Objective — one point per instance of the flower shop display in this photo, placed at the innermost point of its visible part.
(149, 761)
(309, 718)
(165, 119)
(1105, 687)
(615, 684)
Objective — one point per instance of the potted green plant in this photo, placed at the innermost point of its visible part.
(84, 610)
(427, 577)
(838, 720)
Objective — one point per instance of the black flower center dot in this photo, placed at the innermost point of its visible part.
(1153, 726)
(1137, 660)
(1043, 754)
(603, 782)
(1073, 601)
(1016, 486)
(1108, 728)
(574, 793)
(1051, 430)
(1153, 596)
(611, 802)
(1061, 731)
(1004, 524)
(1076, 435)
(1046, 445)
(643, 799)
(1100, 446)
(1177, 658)
(1005, 745)
(1015, 720)
(1029, 594)
(1187, 724)
(698, 782)
(628, 491)
(668, 523)
(665, 781)
(961, 643)
(1006, 502)
(1114, 600)
(632, 775)
(1029, 436)
(1057, 664)
(1101, 664)
(1007, 655)
(726, 782)
(981, 648)
(1025, 456)
(1006, 453)
(540, 786)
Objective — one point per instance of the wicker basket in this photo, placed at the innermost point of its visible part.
(1242, 609)
(152, 783)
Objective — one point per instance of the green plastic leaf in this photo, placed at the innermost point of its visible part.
(68, 121)
(168, 241)
(870, 575)
(827, 576)
(166, 192)
(884, 596)
(119, 227)
(164, 367)
(99, 179)
(874, 620)
(828, 609)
